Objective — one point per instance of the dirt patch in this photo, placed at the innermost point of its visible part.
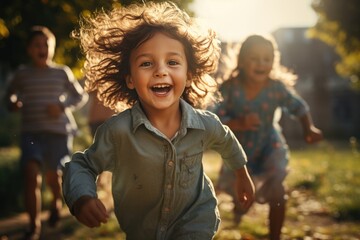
(306, 219)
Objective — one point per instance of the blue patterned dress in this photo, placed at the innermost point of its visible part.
(260, 145)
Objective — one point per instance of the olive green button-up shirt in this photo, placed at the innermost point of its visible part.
(159, 186)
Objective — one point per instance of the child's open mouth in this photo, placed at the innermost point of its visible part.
(161, 88)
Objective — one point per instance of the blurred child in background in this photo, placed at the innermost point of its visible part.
(256, 88)
(46, 93)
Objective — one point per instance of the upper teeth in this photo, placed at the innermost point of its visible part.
(161, 86)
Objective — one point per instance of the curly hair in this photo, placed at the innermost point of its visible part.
(278, 72)
(107, 39)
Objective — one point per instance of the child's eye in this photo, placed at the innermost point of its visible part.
(173, 62)
(145, 64)
(268, 59)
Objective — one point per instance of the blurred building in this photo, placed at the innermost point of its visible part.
(334, 104)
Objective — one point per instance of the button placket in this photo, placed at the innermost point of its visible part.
(169, 154)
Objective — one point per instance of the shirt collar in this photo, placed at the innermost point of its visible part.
(190, 118)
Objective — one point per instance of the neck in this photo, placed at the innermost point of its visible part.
(255, 84)
(42, 64)
(253, 88)
(166, 121)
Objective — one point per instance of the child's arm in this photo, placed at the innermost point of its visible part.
(90, 211)
(311, 133)
(11, 99)
(80, 174)
(245, 188)
(296, 106)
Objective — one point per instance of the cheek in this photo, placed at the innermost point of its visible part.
(248, 67)
(269, 67)
(31, 52)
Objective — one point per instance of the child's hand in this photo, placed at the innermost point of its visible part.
(90, 211)
(245, 188)
(251, 121)
(54, 110)
(313, 135)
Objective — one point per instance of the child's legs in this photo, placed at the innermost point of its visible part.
(31, 153)
(33, 181)
(57, 151)
(53, 180)
(226, 184)
(271, 189)
(277, 214)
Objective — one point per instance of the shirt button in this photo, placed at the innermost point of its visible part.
(162, 228)
(169, 186)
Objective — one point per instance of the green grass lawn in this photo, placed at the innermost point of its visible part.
(323, 195)
(331, 172)
(323, 187)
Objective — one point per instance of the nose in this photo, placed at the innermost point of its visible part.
(264, 62)
(160, 72)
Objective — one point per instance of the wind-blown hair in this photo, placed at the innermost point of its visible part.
(107, 39)
(278, 72)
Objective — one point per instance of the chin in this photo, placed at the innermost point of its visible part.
(260, 80)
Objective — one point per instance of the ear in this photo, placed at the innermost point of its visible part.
(129, 82)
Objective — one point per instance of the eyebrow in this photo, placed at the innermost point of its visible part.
(168, 54)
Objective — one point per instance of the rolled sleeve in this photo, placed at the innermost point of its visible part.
(77, 181)
(223, 141)
(81, 172)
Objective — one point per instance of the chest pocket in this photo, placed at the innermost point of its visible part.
(190, 169)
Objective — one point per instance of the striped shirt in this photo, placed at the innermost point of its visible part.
(36, 88)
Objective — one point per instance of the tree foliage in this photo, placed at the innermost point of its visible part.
(338, 26)
(17, 16)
